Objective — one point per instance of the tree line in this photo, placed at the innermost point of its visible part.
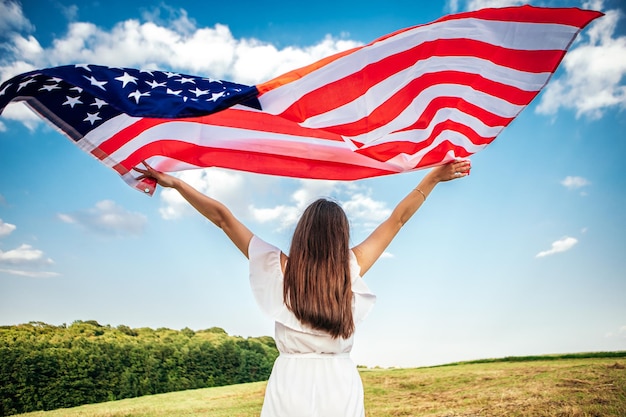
(45, 367)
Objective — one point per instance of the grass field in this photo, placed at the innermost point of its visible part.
(549, 387)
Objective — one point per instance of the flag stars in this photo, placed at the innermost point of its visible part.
(95, 82)
(77, 89)
(50, 87)
(174, 93)
(199, 92)
(25, 83)
(126, 78)
(215, 96)
(6, 87)
(137, 95)
(171, 74)
(72, 101)
(153, 84)
(92, 118)
(99, 103)
(83, 66)
(184, 80)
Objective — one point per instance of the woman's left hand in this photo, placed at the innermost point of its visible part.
(452, 170)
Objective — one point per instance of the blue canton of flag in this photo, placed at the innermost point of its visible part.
(78, 98)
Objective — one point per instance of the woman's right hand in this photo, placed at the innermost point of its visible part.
(163, 179)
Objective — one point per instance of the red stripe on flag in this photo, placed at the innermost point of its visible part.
(264, 163)
(396, 104)
(523, 14)
(235, 118)
(462, 105)
(357, 84)
(530, 14)
(437, 154)
(385, 151)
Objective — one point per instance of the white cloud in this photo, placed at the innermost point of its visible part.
(452, 6)
(6, 228)
(456, 5)
(23, 114)
(69, 12)
(233, 190)
(31, 274)
(287, 215)
(175, 43)
(11, 18)
(593, 4)
(363, 207)
(559, 246)
(176, 18)
(167, 40)
(24, 254)
(106, 217)
(572, 182)
(225, 186)
(595, 70)
(483, 4)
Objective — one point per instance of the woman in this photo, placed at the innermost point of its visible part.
(315, 295)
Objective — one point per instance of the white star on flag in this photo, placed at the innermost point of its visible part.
(98, 102)
(155, 84)
(126, 78)
(92, 118)
(95, 82)
(50, 87)
(71, 101)
(215, 96)
(184, 80)
(25, 83)
(199, 92)
(137, 95)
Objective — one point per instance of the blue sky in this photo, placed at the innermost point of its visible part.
(525, 256)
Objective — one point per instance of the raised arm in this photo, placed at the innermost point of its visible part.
(210, 208)
(368, 252)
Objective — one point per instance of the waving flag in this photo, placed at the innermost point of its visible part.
(416, 98)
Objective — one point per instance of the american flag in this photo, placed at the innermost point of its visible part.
(416, 98)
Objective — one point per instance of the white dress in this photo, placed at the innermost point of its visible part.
(314, 374)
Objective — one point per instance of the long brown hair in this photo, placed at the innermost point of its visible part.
(317, 287)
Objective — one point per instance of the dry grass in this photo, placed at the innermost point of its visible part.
(555, 388)
(572, 388)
